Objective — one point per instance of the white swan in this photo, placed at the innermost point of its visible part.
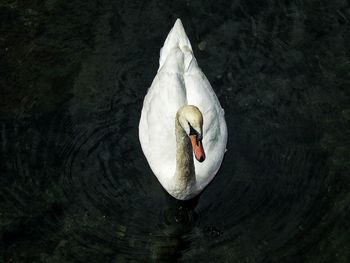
(182, 117)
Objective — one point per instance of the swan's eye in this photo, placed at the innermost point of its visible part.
(192, 131)
(199, 136)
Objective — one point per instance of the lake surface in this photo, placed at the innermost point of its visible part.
(74, 183)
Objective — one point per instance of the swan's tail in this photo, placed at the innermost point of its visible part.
(177, 39)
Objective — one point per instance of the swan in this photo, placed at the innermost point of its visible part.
(182, 129)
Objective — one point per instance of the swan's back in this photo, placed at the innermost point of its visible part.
(179, 81)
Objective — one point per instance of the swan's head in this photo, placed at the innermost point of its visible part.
(191, 120)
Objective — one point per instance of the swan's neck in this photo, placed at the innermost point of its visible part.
(185, 173)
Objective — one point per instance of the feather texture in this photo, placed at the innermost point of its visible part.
(180, 81)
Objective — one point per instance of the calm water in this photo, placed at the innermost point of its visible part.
(75, 186)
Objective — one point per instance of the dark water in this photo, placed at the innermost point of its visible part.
(75, 186)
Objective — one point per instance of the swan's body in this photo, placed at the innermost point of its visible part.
(168, 115)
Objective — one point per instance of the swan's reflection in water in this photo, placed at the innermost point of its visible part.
(178, 220)
(181, 212)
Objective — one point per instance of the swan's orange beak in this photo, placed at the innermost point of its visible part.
(197, 148)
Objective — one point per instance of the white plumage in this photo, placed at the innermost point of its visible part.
(179, 81)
